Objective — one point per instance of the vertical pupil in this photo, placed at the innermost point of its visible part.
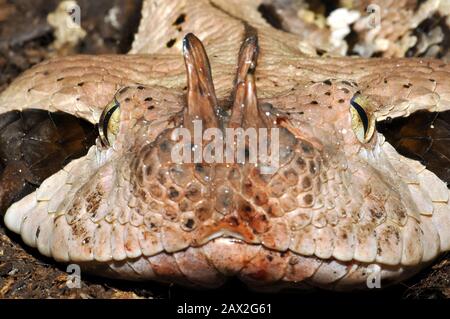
(362, 114)
(106, 118)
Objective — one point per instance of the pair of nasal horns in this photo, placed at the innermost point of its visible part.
(201, 97)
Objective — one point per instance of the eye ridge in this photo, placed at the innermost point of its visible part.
(104, 120)
(362, 114)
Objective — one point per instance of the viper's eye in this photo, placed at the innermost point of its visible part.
(108, 125)
(363, 123)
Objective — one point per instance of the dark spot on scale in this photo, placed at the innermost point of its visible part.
(123, 90)
(407, 86)
(308, 199)
(164, 146)
(203, 213)
(148, 170)
(376, 214)
(329, 106)
(148, 99)
(181, 19)
(189, 223)
(233, 221)
(346, 83)
(385, 81)
(270, 210)
(314, 102)
(306, 147)
(345, 90)
(328, 93)
(306, 182)
(300, 163)
(327, 82)
(269, 258)
(46, 73)
(151, 107)
(170, 43)
(247, 208)
(29, 90)
(59, 79)
(140, 87)
(199, 167)
(320, 52)
(261, 199)
(127, 99)
(341, 100)
(80, 84)
(173, 193)
(432, 80)
(312, 167)
(38, 231)
(78, 98)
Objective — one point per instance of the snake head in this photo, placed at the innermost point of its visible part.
(295, 187)
(335, 180)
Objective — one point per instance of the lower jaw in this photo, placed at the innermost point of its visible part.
(198, 268)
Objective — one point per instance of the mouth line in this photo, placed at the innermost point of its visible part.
(423, 136)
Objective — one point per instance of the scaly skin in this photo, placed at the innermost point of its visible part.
(335, 211)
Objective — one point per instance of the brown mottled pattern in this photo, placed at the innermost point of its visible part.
(335, 211)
